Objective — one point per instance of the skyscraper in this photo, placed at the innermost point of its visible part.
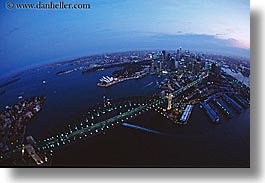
(178, 54)
(163, 56)
(176, 64)
(189, 67)
(160, 66)
(216, 69)
(197, 67)
(169, 101)
(172, 63)
(153, 67)
(207, 65)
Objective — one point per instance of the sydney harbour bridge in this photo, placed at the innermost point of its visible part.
(97, 121)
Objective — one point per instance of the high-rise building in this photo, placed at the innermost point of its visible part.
(178, 54)
(176, 64)
(163, 56)
(150, 56)
(172, 63)
(189, 67)
(153, 67)
(216, 69)
(168, 57)
(197, 67)
(156, 65)
(160, 65)
(207, 65)
(169, 101)
(155, 55)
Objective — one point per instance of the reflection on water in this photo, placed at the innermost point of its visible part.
(200, 143)
(141, 128)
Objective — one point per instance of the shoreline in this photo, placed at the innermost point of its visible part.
(14, 120)
(119, 80)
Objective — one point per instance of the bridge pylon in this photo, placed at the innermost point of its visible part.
(169, 101)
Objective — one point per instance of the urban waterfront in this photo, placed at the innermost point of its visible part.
(125, 84)
(199, 143)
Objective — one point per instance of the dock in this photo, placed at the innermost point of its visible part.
(223, 107)
(233, 103)
(241, 101)
(186, 114)
(210, 112)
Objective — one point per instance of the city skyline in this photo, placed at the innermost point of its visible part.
(169, 96)
(53, 35)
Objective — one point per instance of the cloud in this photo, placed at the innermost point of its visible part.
(203, 42)
(13, 30)
(221, 34)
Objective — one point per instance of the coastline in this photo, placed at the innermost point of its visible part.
(119, 80)
(14, 120)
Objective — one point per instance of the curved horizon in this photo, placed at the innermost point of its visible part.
(39, 37)
(6, 74)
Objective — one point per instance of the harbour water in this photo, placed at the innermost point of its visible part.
(197, 144)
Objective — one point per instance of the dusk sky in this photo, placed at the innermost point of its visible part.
(34, 37)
